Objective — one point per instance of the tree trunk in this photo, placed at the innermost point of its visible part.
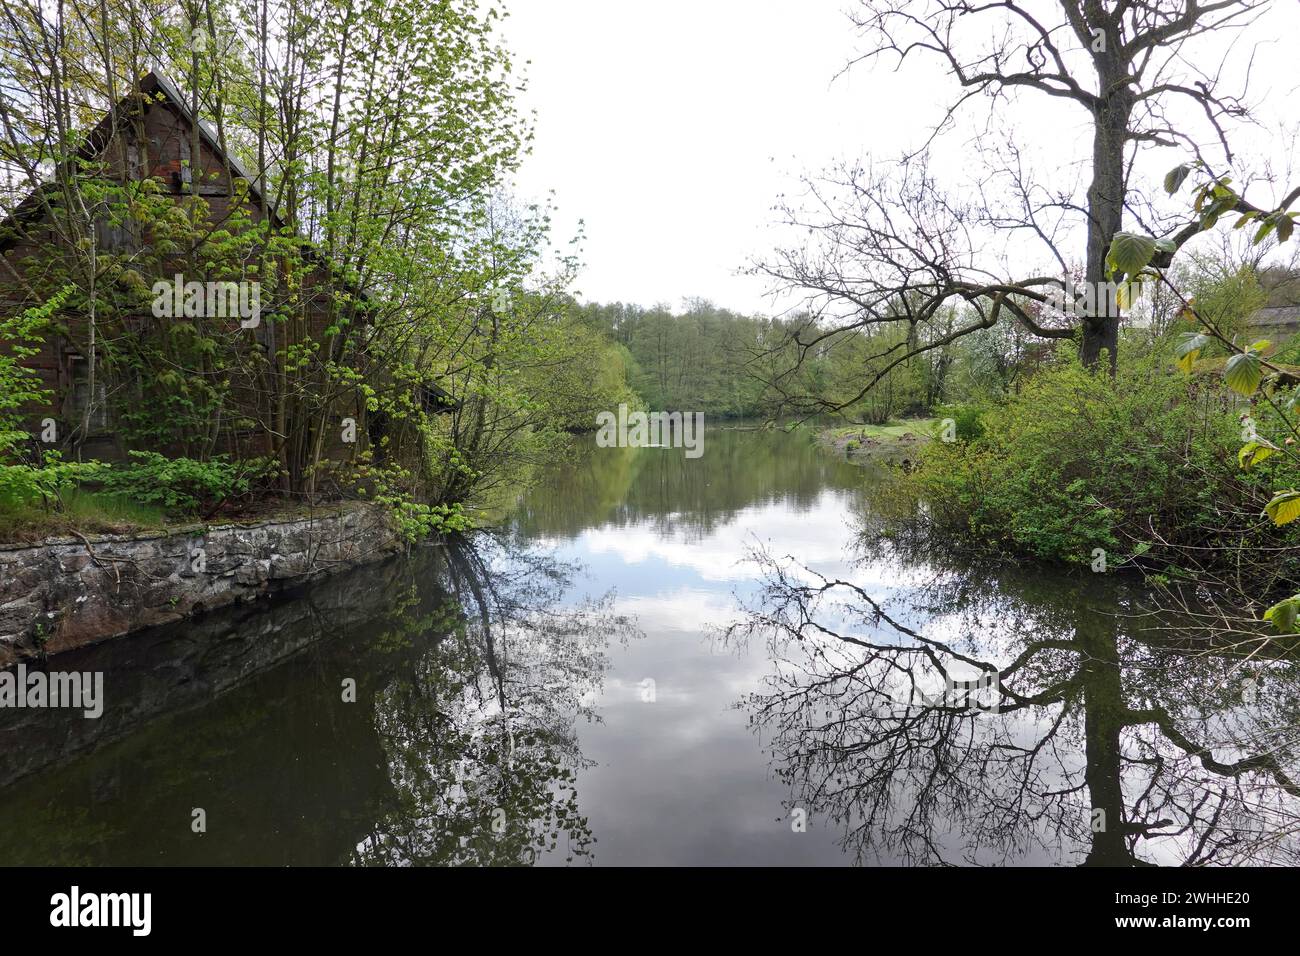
(1103, 702)
(1105, 213)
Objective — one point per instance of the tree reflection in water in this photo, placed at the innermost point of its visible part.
(480, 734)
(1117, 741)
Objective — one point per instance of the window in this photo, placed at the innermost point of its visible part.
(117, 237)
(185, 176)
(80, 396)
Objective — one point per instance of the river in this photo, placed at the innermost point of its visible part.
(663, 660)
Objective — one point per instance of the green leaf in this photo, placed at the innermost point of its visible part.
(1125, 292)
(1253, 452)
(1189, 349)
(1283, 615)
(1175, 178)
(1242, 373)
(1130, 253)
(1284, 508)
(1285, 225)
(1210, 215)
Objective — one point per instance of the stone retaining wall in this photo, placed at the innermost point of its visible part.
(69, 592)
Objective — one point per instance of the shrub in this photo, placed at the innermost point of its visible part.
(1077, 461)
(20, 386)
(46, 485)
(967, 419)
(183, 486)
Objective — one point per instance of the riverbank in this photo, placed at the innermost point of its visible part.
(70, 591)
(897, 441)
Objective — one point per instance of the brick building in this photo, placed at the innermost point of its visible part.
(151, 134)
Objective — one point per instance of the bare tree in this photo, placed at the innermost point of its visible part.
(890, 245)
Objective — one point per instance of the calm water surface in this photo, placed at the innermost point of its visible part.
(567, 691)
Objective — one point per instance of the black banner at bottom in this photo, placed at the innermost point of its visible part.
(215, 905)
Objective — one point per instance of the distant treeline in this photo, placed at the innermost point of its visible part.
(729, 365)
(705, 359)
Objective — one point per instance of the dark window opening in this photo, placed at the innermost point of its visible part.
(434, 399)
(80, 396)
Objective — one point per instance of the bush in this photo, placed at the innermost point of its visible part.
(44, 486)
(968, 420)
(20, 386)
(1078, 461)
(182, 486)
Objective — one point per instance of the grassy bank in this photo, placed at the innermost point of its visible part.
(83, 512)
(876, 441)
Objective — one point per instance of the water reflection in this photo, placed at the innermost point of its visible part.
(1114, 743)
(480, 737)
(460, 746)
(668, 495)
(508, 712)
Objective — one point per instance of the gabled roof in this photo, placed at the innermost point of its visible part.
(151, 85)
(155, 82)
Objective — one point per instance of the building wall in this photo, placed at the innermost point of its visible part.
(157, 144)
(1275, 324)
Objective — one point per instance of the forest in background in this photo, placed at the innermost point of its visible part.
(729, 365)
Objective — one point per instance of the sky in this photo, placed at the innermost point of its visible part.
(670, 129)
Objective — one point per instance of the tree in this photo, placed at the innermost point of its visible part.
(1028, 721)
(379, 134)
(894, 247)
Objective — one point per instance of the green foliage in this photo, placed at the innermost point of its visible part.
(1242, 372)
(374, 279)
(1228, 299)
(183, 486)
(416, 521)
(1076, 461)
(595, 375)
(1247, 371)
(1284, 614)
(20, 338)
(46, 485)
(724, 364)
(1284, 508)
(967, 420)
(389, 485)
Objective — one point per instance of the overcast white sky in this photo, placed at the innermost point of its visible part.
(670, 128)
